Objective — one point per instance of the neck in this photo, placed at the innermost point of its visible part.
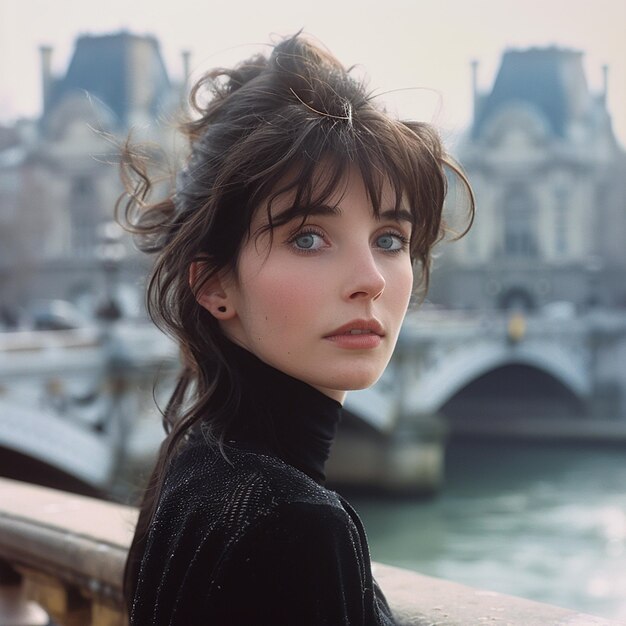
(283, 416)
(333, 394)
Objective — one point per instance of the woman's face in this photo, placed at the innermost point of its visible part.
(324, 302)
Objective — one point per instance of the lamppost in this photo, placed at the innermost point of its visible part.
(118, 373)
(110, 253)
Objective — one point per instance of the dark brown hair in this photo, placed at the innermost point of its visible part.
(271, 126)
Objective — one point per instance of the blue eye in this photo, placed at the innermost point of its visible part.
(308, 241)
(390, 242)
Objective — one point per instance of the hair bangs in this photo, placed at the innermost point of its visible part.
(398, 164)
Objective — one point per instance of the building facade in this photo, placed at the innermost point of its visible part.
(549, 180)
(59, 175)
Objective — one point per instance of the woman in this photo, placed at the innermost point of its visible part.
(284, 270)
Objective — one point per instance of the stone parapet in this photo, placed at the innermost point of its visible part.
(66, 553)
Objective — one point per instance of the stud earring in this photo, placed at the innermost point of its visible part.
(221, 309)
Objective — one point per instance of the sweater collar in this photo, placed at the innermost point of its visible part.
(282, 415)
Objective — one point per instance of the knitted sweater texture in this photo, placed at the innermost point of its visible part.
(253, 538)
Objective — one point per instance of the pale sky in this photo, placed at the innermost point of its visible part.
(421, 47)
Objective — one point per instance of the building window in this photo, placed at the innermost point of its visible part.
(561, 226)
(83, 215)
(520, 224)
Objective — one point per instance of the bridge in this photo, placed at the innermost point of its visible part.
(80, 402)
(71, 401)
(438, 356)
(487, 375)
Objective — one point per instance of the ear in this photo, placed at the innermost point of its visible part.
(212, 295)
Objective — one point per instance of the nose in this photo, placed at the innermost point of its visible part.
(365, 280)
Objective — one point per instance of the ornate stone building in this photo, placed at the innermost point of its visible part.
(550, 185)
(59, 175)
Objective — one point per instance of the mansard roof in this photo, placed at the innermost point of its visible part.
(550, 80)
(121, 70)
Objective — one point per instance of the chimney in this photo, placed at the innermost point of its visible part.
(474, 65)
(186, 68)
(605, 82)
(46, 74)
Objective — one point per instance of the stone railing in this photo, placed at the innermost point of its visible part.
(66, 553)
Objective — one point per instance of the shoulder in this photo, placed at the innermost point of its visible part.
(238, 487)
(250, 524)
(302, 564)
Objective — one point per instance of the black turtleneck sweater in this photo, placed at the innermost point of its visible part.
(253, 537)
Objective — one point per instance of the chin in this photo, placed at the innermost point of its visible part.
(358, 378)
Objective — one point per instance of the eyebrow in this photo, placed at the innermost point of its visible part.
(314, 209)
(401, 215)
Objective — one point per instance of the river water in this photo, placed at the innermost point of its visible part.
(542, 521)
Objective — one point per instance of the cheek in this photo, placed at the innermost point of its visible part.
(409, 281)
(279, 296)
(401, 283)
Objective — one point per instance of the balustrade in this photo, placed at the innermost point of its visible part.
(66, 553)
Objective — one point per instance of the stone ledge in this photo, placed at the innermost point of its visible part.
(82, 542)
(418, 600)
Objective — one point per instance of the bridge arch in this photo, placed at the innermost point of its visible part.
(44, 437)
(455, 371)
(512, 394)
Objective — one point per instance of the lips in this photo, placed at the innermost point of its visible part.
(359, 327)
